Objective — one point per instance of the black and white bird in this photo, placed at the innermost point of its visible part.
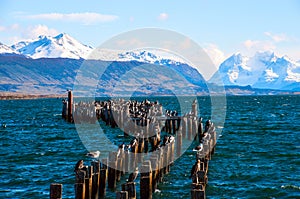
(128, 148)
(198, 148)
(132, 177)
(93, 154)
(121, 149)
(134, 142)
(171, 139)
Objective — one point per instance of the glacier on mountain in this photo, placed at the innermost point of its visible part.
(264, 70)
(60, 46)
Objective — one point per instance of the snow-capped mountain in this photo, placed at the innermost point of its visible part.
(152, 57)
(4, 49)
(60, 46)
(263, 70)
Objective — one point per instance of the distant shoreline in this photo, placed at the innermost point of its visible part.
(20, 96)
(15, 96)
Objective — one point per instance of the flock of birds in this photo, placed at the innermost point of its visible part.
(199, 149)
(122, 148)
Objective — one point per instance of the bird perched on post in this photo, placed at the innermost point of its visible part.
(198, 148)
(93, 154)
(121, 149)
(133, 175)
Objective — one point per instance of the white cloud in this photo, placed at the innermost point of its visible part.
(15, 32)
(86, 18)
(163, 16)
(216, 55)
(277, 37)
(33, 32)
(13, 27)
(258, 45)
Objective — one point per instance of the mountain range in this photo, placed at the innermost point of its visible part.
(265, 70)
(50, 65)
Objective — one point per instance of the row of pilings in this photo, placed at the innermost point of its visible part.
(129, 117)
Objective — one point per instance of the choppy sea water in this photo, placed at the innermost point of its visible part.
(257, 155)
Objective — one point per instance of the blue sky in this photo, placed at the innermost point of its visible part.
(220, 27)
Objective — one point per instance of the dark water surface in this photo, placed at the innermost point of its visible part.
(257, 156)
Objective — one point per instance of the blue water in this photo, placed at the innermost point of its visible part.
(257, 156)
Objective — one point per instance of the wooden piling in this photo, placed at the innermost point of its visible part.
(96, 179)
(200, 129)
(198, 194)
(122, 195)
(130, 188)
(146, 181)
(88, 183)
(190, 128)
(126, 161)
(165, 159)
(194, 108)
(102, 184)
(119, 168)
(184, 126)
(195, 128)
(112, 180)
(55, 191)
(79, 191)
(154, 166)
(146, 145)
(178, 143)
(70, 106)
(141, 149)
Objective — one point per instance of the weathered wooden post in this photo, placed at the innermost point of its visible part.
(174, 125)
(122, 195)
(190, 128)
(88, 183)
(184, 124)
(70, 106)
(178, 143)
(126, 161)
(194, 108)
(214, 138)
(146, 181)
(119, 168)
(161, 164)
(121, 119)
(169, 158)
(102, 185)
(200, 129)
(198, 194)
(133, 159)
(112, 170)
(80, 185)
(140, 149)
(154, 166)
(130, 188)
(197, 186)
(79, 191)
(55, 191)
(146, 144)
(96, 179)
(167, 124)
(65, 109)
(195, 128)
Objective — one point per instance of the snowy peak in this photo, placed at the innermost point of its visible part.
(61, 45)
(263, 70)
(4, 49)
(153, 57)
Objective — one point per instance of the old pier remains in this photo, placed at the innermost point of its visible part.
(149, 151)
